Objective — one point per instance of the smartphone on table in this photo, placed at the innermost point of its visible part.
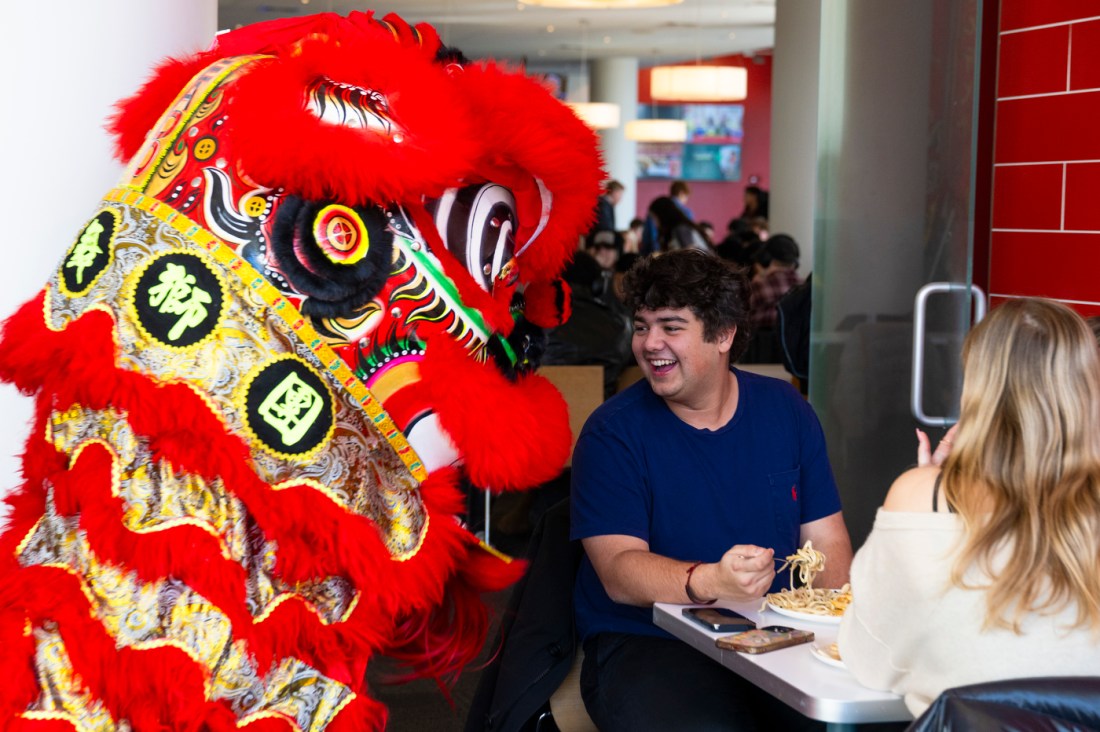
(762, 640)
(719, 619)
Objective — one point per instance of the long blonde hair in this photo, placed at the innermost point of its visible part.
(1024, 472)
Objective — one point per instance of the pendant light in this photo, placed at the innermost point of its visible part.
(657, 130)
(598, 115)
(699, 82)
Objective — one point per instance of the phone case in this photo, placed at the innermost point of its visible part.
(762, 641)
(712, 619)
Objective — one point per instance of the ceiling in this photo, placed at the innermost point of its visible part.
(509, 30)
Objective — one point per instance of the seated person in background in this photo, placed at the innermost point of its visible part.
(740, 244)
(756, 203)
(632, 237)
(668, 228)
(596, 333)
(605, 247)
(622, 266)
(707, 230)
(617, 302)
(759, 226)
(686, 487)
(989, 569)
(776, 274)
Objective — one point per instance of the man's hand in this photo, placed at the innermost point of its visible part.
(745, 572)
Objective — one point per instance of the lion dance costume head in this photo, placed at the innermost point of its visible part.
(261, 370)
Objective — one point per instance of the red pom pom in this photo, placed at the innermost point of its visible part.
(548, 304)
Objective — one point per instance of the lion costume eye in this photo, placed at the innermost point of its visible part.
(478, 226)
(341, 234)
(338, 257)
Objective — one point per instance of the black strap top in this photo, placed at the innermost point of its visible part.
(936, 496)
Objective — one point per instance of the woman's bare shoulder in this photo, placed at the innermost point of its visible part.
(912, 491)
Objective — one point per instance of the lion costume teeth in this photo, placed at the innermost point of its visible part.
(264, 366)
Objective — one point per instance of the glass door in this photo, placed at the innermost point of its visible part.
(897, 129)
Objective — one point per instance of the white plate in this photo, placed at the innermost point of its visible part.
(824, 656)
(829, 619)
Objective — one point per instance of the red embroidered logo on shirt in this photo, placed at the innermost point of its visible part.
(794, 493)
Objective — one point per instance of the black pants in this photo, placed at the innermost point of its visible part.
(638, 683)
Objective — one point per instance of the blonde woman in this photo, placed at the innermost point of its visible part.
(990, 568)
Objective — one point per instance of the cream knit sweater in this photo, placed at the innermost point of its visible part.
(910, 631)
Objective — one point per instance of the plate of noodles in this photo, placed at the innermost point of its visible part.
(827, 653)
(818, 606)
(807, 602)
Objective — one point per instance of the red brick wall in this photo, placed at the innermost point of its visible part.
(1045, 237)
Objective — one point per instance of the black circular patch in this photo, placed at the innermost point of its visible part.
(288, 407)
(179, 300)
(90, 254)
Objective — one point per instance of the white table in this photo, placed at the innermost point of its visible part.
(826, 693)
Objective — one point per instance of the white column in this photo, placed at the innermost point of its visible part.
(615, 80)
(66, 64)
(794, 123)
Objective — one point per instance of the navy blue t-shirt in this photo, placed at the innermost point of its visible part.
(640, 470)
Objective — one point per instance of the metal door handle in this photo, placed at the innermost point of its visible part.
(919, 305)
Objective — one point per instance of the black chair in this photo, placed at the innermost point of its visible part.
(1051, 704)
(537, 644)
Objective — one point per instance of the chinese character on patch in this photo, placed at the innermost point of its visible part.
(86, 250)
(177, 295)
(291, 408)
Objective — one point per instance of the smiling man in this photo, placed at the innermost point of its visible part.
(686, 487)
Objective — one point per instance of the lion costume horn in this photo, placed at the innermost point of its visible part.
(310, 309)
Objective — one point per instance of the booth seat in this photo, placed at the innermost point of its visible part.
(1053, 704)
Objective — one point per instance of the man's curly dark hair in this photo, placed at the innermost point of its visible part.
(716, 290)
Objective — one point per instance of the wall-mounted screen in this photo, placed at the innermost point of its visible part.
(660, 160)
(712, 150)
(714, 123)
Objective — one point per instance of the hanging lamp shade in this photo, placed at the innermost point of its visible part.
(656, 130)
(699, 83)
(597, 115)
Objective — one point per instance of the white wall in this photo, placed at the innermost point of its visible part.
(795, 71)
(615, 80)
(66, 63)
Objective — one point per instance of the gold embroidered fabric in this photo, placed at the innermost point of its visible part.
(165, 613)
(359, 464)
(157, 497)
